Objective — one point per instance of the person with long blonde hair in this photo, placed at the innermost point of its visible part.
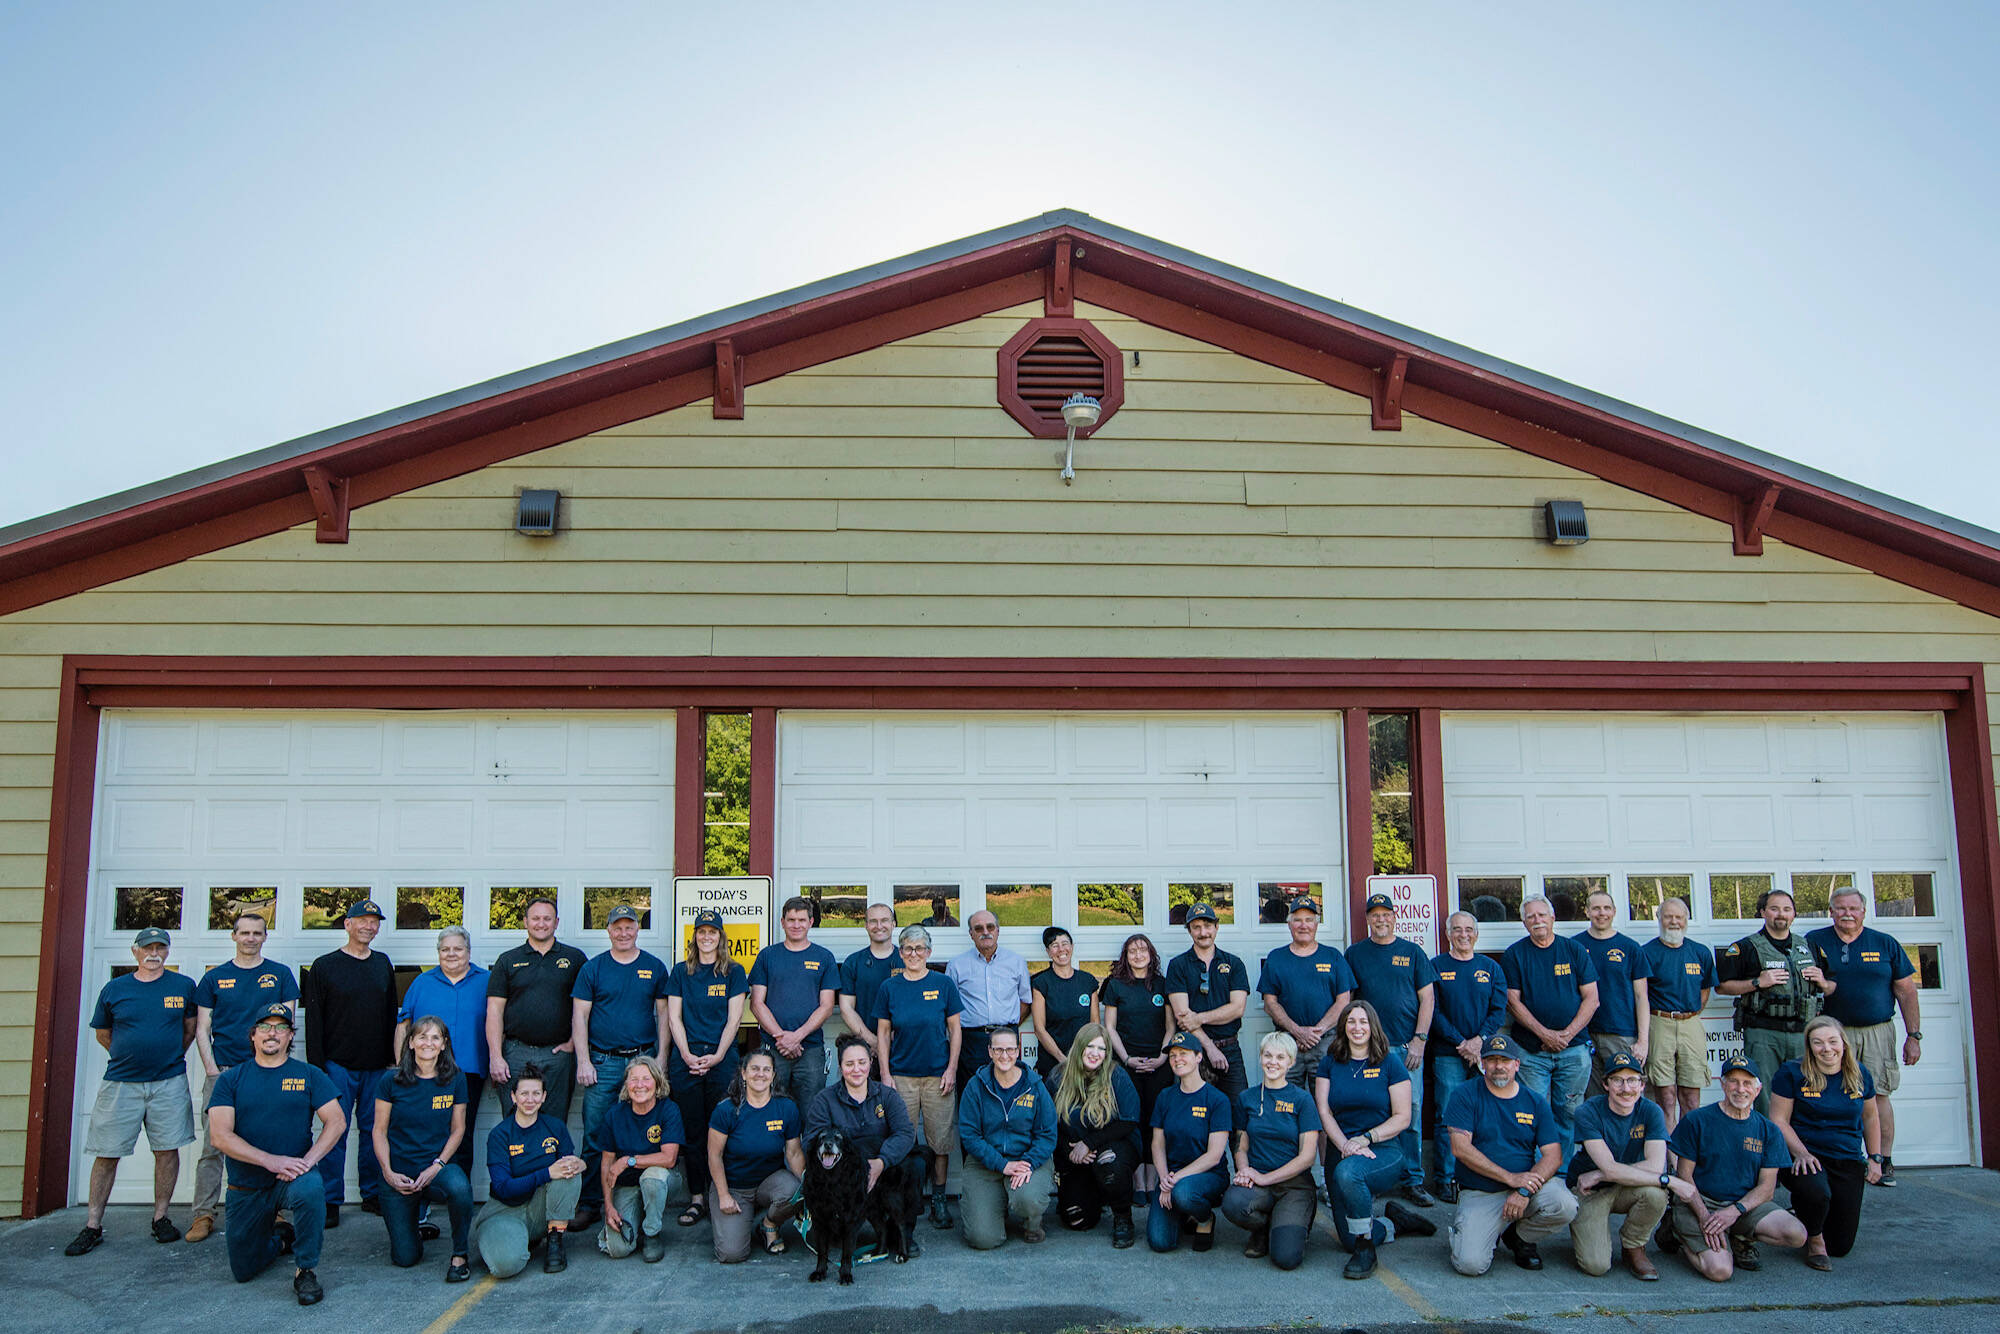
(1824, 1105)
(1097, 1137)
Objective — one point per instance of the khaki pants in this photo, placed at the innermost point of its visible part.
(986, 1202)
(1590, 1230)
(504, 1232)
(209, 1170)
(1677, 1053)
(1876, 1048)
(1476, 1229)
(1694, 1240)
(776, 1197)
(932, 1110)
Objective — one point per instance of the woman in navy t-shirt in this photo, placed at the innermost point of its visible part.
(705, 998)
(1271, 1195)
(754, 1161)
(1191, 1124)
(1363, 1093)
(420, 1116)
(1824, 1105)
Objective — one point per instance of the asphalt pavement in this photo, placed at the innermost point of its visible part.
(1929, 1260)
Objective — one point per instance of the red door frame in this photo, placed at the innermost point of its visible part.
(688, 686)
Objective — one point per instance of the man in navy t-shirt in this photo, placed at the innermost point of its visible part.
(1305, 985)
(1620, 1023)
(863, 972)
(1395, 977)
(1873, 978)
(1471, 1007)
(1510, 1187)
(1620, 1167)
(225, 999)
(1683, 973)
(792, 989)
(261, 1118)
(1552, 994)
(1731, 1153)
(145, 1020)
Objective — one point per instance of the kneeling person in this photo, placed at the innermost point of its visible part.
(1007, 1125)
(535, 1179)
(260, 1117)
(1271, 1195)
(640, 1165)
(1731, 1153)
(420, 1117)
(1620, 1167)
(1191, 1127)
(1508, 1148)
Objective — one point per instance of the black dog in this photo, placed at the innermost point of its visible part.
(840, 1203)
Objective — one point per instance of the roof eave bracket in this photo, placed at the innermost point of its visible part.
(728, 381)
(1059, 302)
(1386, 412)
(329, 501)
(1752, 513)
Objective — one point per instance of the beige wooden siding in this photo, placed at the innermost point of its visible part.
(884, 504)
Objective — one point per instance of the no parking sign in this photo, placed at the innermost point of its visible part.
(1419, 916)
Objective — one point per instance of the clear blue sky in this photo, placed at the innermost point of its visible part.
(225, 225)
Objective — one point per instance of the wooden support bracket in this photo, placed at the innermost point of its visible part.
(1387, 414)
(329, 498)
(1060, 300)
(728, 381)
(1752, 513)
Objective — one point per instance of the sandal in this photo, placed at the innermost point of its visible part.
(694, 1213)
(773, 1243)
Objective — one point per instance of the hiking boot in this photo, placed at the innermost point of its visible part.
(1417, 1195)
(1746, 1254)
(1122, 1231)
(554, 1260)
(1888, 1173)
(652, 1248)
(1641, 1267)
(1526, 1254)
(1258, 1246)
(940, 1213)
(1362, 1263)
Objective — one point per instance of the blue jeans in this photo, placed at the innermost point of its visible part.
(1561, 1077)
(248, 1219)
(1194, 1199)
(357, 1098)
(399, 1214)
(1353, 1183)
(1447, 1073)
(598, 1100)
(1410, 1144)
(801, 1078)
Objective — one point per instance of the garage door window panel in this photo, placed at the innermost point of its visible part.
(227, 902)
(1024, 904)
(1733, 895)
(1928, 960)
(599, 900)
(136, 907)
(429, 907)
(1492, 898)
(1111, 903)
(1568, 893)
(1905, 894)
(1274, 899)
(1812, 891)
(1217, 894)
(326, 905)
(507, 905)
(837, 905)
(932, 904)
(1645, 893)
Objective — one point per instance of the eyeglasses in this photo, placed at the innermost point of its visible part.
(984, 930)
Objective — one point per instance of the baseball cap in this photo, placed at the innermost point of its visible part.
(1500, 1045)
(1303, 903)
(365, 908)
(624, 912)
(1201, 912)
(1183, 1042)
(1741, 1064)
(1380, 901)
(272, 1011)
(1623, 1060)
(706, 917)
(152, 935)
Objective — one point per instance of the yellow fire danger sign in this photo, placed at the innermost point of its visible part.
(744, 902)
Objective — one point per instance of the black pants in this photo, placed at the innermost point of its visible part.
(475, 1088)
(1828, 1201)
(696, 1097)
(972, 1044)
(1150, 1086)
(1233, 1079)
(1085, 1190)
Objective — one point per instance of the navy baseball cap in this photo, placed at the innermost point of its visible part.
(1623, 1060)
(152, 935)
(1502, 1046)
(1380, 901)
(1302, 903)
(706, 917)
(1184, 1042)
(1201, 912)
(624, 912)
(274, 1010)
(1741, 1065)
(365, 908)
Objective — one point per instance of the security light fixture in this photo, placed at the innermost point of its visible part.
(536, 513)
(1080, 413)
(1566, 524)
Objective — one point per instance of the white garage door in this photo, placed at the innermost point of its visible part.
(1106, 824)
(1715, 809)
(442, 818)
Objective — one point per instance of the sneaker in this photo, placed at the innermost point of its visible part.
(653, 1248)
(1408, 1222)
(1122, 1232)
(286, 1236)
(1746, 1254)
(165, 1232)
(1417, 1195)
(458, 1271)
(1526, 1254)
(201, 1229)
(1362, 1263)
(940, 1213)
(1258, 1246)
(1888, 1173)
(429, 1231)
(306, 1284)
(86, 1241)
(554, 1261)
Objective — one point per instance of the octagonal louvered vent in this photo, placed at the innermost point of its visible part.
(1050, 359)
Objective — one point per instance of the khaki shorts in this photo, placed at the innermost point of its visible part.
(164, 1107)
(932, 1110)
(1677, 1053)
(1875, 1046)
(1694, 1240)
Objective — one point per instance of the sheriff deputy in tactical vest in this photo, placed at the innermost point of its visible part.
(1779, 981)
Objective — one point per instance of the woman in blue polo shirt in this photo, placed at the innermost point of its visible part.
(1271, 1195)
(420, 1117)
(1363, 1092)
(1191, 1124)
(705, 998)
(1824, 1105)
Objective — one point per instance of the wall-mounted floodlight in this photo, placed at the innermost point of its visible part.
(536, 513)
(1080, 413)
(1566, 523)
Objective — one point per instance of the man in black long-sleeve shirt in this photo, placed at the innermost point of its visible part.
(349, 997)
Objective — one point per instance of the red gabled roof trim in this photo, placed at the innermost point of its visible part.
(1153, 285)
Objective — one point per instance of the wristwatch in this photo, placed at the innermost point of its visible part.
(1917, 1034)
(631, 1160)
(1877, 1158)
(1368, 1138)
(1666, 1180)
(1524, 1192)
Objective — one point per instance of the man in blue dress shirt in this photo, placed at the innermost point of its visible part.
(994, 987)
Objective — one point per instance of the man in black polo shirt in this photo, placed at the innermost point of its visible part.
(528, 1019)
(349, 997)
(1208, 989)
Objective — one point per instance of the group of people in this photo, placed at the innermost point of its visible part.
(1538, 1068)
